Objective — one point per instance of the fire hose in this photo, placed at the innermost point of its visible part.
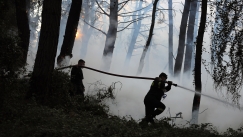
(112, 74)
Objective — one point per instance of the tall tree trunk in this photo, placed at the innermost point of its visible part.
(141, 63)
(195, 36)
(182, 37)
(87, 30)
(136, 26)
(23, 27)
(146, 68)
(47, 49)
(110, 36)
(198, 62)
(70, 32)
(170, 38)
(190, 35)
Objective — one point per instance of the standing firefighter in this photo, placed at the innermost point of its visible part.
(153, 105)
(77, 79)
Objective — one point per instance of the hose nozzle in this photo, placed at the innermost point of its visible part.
(172, 84)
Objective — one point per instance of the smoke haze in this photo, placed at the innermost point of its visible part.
(129, 99)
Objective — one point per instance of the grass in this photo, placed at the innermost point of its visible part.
(74, 118)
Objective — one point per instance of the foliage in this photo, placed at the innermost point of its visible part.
(226, 48)
(10, 53)
(81, 118)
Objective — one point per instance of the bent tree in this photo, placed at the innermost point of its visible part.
(141, 63)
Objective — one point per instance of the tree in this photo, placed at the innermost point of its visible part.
(141, 63)
(189, 42)
(227, 49)
(23, 27)
(11, 54)
(110, 36)
(135, 33)
(45, 58)
(170, 38)
(182, 36)
(70, 32)
(89, 17)
(198, 62)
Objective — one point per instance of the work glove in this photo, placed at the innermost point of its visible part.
(169, 83)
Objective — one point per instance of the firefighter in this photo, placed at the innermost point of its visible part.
(77, 79)
(153, 105)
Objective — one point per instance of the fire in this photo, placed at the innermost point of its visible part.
(78, 35)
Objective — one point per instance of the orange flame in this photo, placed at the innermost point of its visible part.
(78, 35)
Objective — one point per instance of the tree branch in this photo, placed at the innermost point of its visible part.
(131, 23)
(123, 5)
(101, 8)
(133, 11)
(95, 27)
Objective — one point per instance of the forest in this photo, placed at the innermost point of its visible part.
(198, 44)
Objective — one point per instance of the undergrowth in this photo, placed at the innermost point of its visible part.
(71, 117)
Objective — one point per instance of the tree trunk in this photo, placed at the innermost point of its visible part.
(136, 26)
(198, 61)
(195, 36)
(23, 27)
(170, 38)
(182, 36)
(110, 36)
(70, 32)
(87, 30)
(190, 35)
(141, 63)
(47, 49)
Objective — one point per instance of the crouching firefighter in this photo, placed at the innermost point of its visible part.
(153, 105)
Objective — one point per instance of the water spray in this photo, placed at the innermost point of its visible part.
(148, 78)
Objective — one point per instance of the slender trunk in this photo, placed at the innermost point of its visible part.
(141, 63)
(70, 32)
(87, 30)
(170, 38)
(146, 68)
(47, 49)
(190, 35)
(136, 26)
(110, 36)
(195, 36)
(198, 61)
(182, 37)
(23, 27)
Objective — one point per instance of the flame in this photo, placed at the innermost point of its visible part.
(78, 35)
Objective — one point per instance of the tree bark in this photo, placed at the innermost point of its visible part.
(70, 32)
(190, 35)
(182, 36)
(47, 49)
(23, 27)
(170, 38)
(141, 63)
(198, 62)
(110, 36)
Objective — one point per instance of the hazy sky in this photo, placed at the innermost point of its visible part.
(129, 100)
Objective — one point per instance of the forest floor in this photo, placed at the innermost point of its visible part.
(91, 118)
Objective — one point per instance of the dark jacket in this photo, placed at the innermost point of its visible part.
(158, 88)
(77, 75)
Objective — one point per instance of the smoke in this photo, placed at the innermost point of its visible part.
(129, 99)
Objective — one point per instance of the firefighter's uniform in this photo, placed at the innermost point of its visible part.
(153, 105)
